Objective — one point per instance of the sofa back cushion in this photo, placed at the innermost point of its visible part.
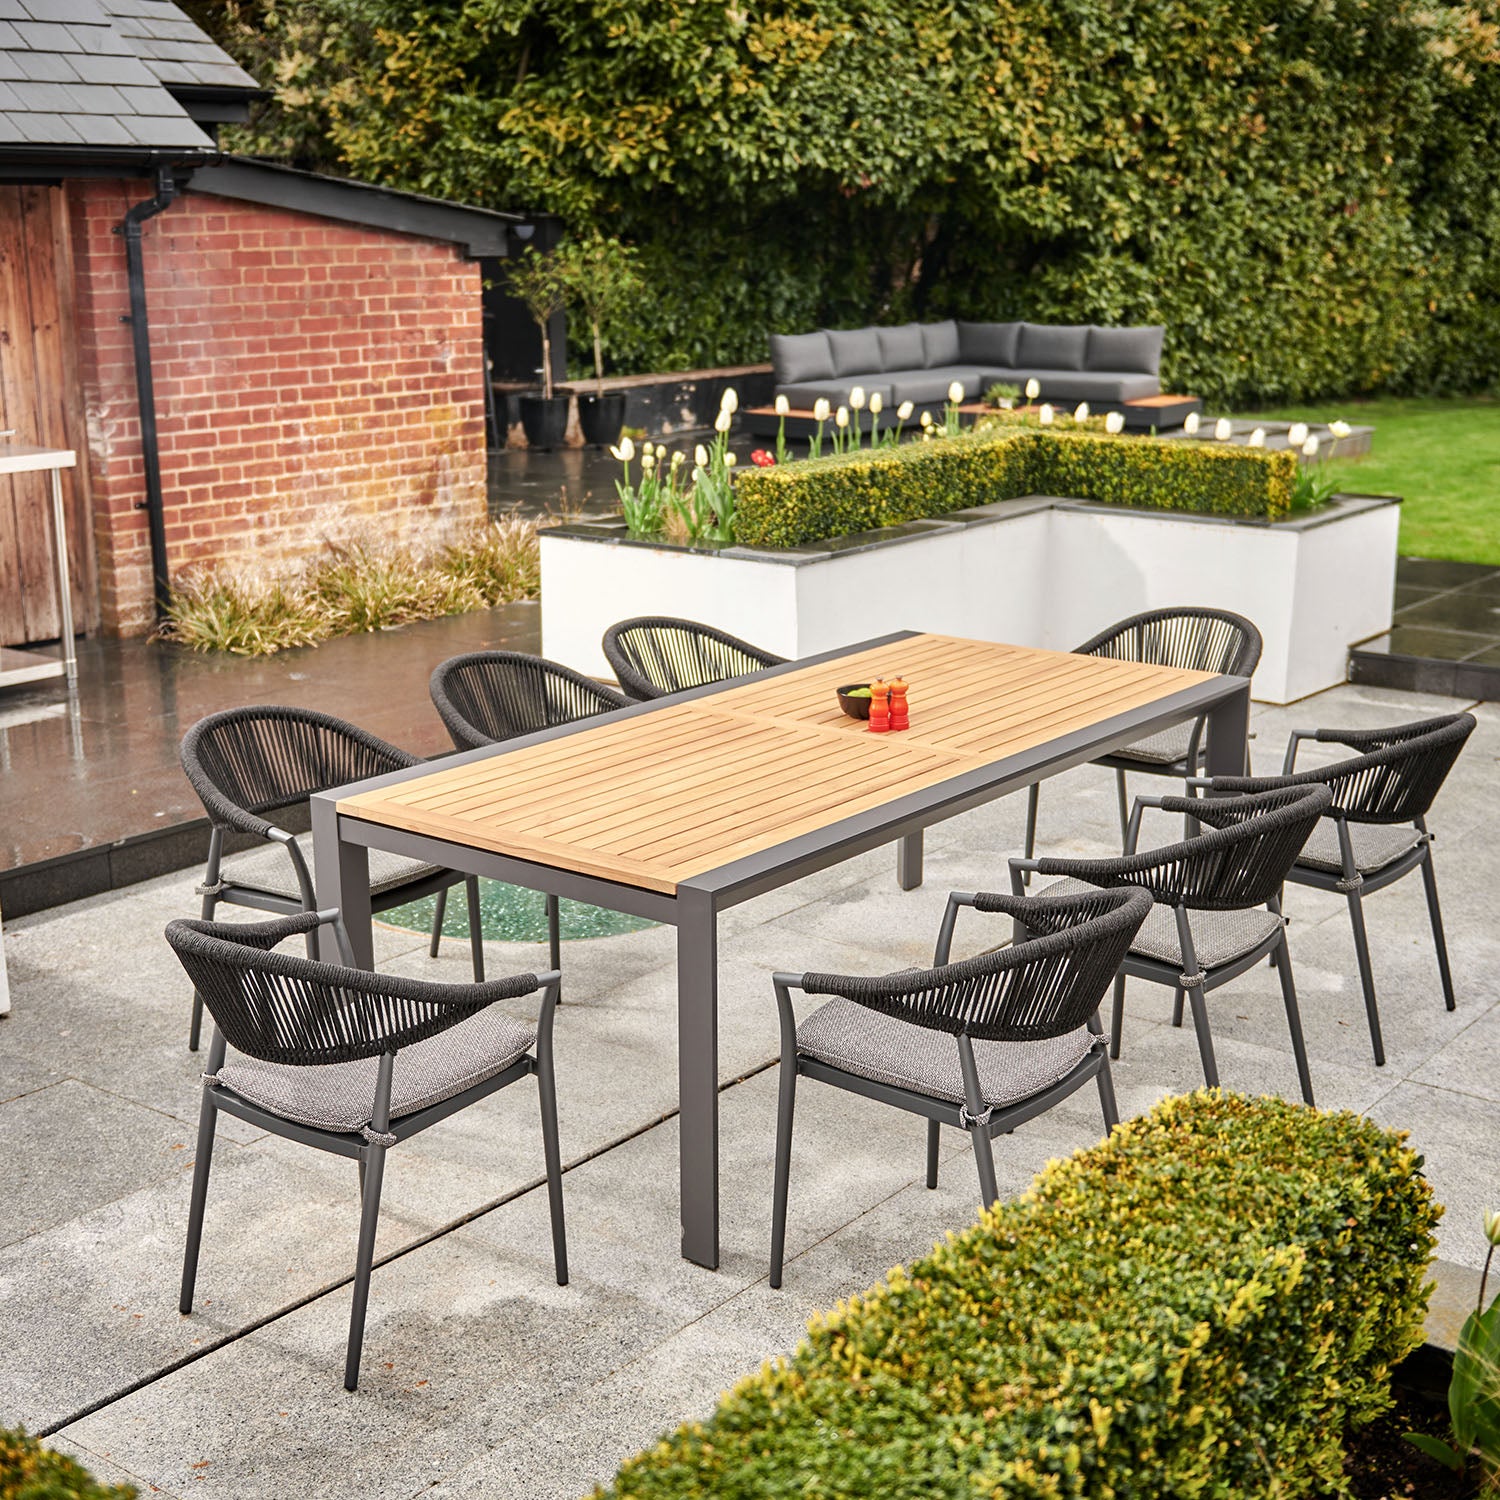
(990, 344)
(1052, 346)
(940, 344)
(1126, 351)
(855, 352)
(901, 348)
(801, 356)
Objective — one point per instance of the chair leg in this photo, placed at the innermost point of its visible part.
(1124, 799)
(786, 1104)
(932, 1152)
(547, 1094)
(195, 1027)
(369, 1216)
(1108, 1105)
(208, 1115)
(1429, 880)
(1117, 1017)
(1205, 1041)
(1033, 796)
(1283, 956)
(476, 928)
(554, 936)
(439, 912)
(1366, 974)
(1177, 997)
(984, 1157)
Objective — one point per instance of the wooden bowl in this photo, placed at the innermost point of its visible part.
(856, 708)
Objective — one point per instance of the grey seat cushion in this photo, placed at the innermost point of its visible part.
(901, 347)
(1096, 386)
(940, 344)
(269, 869)
(1135, 351)
(801, 356)
(341, 1096)
(1219, 937)
(835, 392)
(1375, 846)
(927, 387)
(988, 343)
(889, 1050)
(1166, 748)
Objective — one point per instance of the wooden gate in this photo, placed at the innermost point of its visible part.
(40, 397)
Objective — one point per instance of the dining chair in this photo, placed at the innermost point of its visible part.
(653, 656)
(484, 697)
(1186, 636)
(246, 762)
(983, 1044)
(1216, 910)
(1375, 830)
(353, 1063)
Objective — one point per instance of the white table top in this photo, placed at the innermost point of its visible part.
(24, 458)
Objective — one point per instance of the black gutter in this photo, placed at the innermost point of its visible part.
(140, 335)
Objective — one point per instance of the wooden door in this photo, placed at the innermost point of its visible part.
(40, 397)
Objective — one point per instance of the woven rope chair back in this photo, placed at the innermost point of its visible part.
(655, 656)
(263, 758)
(283, 1008)
(1044, 986)
(1192, 638)
(1398, 782)
(487, 696)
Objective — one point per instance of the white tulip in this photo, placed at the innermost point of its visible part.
(841, 417)
(905, 410)
(729, 401)
(926, 419)
(1115, 422)
(1081, 412)
(877, 401)
(1296, 434)
(821, 409)
(1033, 389)
(678, 458)
(1223, 430)
(783, 406)
(1340, 429)
(700, 456)
(648, 462)
(625, 452)
(730, 460)
(723, 422)
(1190, 424)
(956, 392)
(1258, 438)
(857, 397)
(1310, 447)
(1045, 414)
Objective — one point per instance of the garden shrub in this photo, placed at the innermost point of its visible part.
(29, 1471)
(812, 499)
(1198, 1306)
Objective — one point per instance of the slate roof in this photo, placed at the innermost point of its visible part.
(81, 75)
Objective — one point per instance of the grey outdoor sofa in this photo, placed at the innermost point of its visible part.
(918, 362)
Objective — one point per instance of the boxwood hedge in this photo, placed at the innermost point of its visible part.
(28, 1471)
(812, 499)
(1199, 1306)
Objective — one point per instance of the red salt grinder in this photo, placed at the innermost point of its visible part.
(880, 712)
(899, 718)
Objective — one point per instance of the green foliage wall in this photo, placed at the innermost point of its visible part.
(1197, 1307)
(1306, 192)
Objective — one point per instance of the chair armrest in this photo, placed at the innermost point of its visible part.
(1133, 823)
(1293, 740)
(304, 877)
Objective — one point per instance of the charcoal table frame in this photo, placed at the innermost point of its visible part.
(341, 844)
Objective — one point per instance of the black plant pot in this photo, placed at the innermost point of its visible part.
(601, 417)
(545, 420)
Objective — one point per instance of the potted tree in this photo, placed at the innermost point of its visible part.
(536, 280)
(601, 279)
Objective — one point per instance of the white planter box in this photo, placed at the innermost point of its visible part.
(1038, 571)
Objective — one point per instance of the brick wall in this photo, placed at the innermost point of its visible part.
(314, 380)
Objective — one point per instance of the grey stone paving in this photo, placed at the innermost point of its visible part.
(483, 1378)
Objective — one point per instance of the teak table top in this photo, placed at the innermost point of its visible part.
(659, 797)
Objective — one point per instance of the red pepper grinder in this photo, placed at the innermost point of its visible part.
(880, 710)
(899, 718)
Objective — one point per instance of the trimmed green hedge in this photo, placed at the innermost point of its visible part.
(812, 499)
(29, 1471)
(1198, 1306)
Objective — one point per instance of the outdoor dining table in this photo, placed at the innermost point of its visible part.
(677, 809)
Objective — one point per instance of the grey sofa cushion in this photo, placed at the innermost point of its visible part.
(901, 348)
(835, 392)
(988, 343)
(1132, 351)
(1052, 346)
(1080, 385)
(940, 344)
(855, 351)
(930, 387)
(801, 356)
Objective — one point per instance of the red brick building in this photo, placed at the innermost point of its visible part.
(310, 365)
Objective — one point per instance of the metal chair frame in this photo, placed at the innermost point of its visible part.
(653, 673)
(1045, 931)
(213, 946)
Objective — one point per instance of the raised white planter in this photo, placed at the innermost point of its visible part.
(1038, 571)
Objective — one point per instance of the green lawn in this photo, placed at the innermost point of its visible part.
(1441, 455)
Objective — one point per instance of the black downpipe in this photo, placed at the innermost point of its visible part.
(140, 333)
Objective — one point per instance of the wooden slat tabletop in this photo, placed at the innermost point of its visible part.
(656, 798)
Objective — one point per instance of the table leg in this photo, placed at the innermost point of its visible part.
(698, 1074)
(1228, 749)
(909, 861)
(64, 585)
(341, 873)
